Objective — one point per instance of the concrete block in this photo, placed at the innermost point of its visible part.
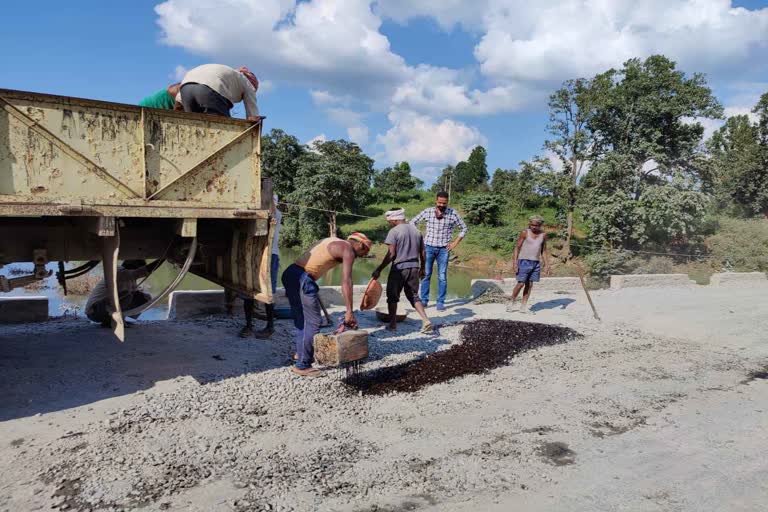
(506, 285)
(17, 310)
(650, 281)
(186, 304)
(738, 279)
(336, 349)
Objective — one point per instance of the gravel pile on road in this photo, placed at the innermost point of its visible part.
(288, 443)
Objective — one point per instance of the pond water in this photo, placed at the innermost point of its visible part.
(459, 280)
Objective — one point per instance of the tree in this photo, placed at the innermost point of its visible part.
(739, 161)
(280, 155)
(642, 140)
(643, 112)
(483, 209)
(476, 173)
(570, 108)
(398, 179)
(445, 181)
(335, 176)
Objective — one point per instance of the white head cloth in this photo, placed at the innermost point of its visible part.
(395, 214)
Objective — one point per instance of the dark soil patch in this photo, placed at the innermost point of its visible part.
(557, 453)
(17, 442)
(761, 374)
(486, 344)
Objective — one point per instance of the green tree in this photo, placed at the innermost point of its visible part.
(335, 176)
(483, 209)
(280, 155)
(642, 141)
(570, 108)
(445, 181)
(475, 176)
(739, 163)
(398, 179)
(643, 113)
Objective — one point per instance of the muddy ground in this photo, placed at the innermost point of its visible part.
(661, 407)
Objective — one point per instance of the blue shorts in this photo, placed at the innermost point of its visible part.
(528, 271)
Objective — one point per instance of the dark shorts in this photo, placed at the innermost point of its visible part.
(404, 279)
(528, 271)
(204, 100)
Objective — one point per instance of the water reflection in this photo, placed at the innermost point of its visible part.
(458, 283)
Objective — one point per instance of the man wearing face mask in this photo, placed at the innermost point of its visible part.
(441, 222)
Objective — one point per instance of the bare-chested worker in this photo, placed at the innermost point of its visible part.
(300, 283)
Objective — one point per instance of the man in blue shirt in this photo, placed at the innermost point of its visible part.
(441, 222)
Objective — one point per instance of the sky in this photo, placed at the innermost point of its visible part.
(418, 80)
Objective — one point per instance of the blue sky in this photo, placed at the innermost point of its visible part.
(417, 80)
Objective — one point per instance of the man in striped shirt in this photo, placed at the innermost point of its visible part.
(441, 222)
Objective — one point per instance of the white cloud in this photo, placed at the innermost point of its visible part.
(358, 134)
(337, 50)
(447, 13)
(333, 45)
(420, 139)
(445, 92)
(550, 41)
(266, 86)
(179, 72)
(317, 138)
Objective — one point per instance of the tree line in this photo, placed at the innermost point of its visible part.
(626, 154)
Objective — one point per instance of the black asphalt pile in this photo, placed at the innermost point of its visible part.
(486, 344)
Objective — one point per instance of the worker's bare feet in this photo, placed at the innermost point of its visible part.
(392, 327)
(246, 332)
(266, 332)
(308, 372)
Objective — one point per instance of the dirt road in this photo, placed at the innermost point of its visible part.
(662, 407)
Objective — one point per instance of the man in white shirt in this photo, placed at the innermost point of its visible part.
(215, 88)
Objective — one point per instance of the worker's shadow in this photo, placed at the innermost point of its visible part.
(70, 363)
(383, 342)
(553, 304)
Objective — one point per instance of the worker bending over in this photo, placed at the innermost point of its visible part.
(166, 99)
(99, 307)
(300, 283)
(408, 258)
(530, 255)
(215, 88)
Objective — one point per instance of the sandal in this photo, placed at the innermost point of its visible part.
(309, 372)
(427, 328)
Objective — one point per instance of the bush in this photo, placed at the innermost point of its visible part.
(483, 209)
(740, 245)
(605, 263)
(652, 265)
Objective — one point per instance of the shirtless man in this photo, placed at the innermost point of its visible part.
(530, 256)
(300, 283)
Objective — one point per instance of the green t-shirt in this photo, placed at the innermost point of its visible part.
(161, 99)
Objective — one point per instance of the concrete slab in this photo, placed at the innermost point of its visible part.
(17, 310)
(506, 285)
(619, 282)
(186, 304)
(738, 279)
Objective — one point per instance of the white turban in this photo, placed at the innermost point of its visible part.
(395, 214)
